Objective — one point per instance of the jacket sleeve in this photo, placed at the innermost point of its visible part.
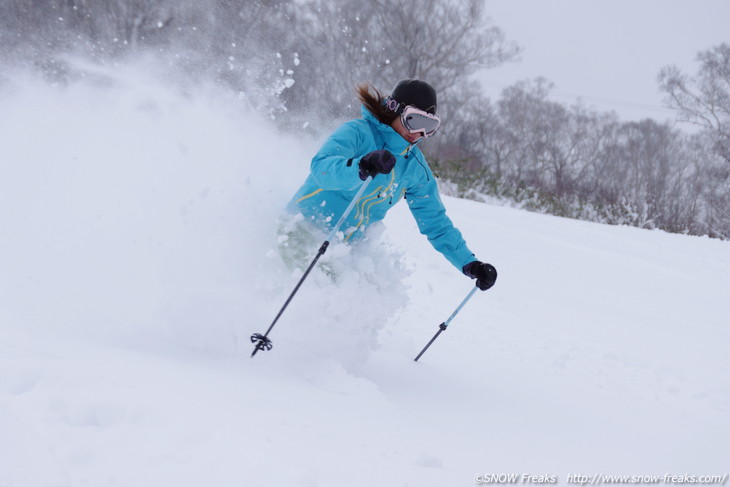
(430, 214)
(336, 165)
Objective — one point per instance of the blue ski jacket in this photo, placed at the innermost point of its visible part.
(334, 180)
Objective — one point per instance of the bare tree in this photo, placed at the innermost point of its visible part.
(705, 98)
(442, 41)
(350, 41)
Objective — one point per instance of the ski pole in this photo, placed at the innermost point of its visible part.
(445, 324)
(263, 342)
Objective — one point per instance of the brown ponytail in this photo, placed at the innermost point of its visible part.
(373, 101)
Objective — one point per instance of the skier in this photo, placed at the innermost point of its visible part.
(383, 144)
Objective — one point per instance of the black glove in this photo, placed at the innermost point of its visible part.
(376, 162)
(485, 274)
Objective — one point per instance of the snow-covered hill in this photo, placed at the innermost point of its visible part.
(138, 236)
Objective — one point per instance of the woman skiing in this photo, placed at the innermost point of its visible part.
(382, 144)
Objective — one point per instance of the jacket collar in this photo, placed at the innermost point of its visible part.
(392, 139)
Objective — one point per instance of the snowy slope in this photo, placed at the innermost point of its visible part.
(138, 235)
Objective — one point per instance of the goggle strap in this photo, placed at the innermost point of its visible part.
(393, 105)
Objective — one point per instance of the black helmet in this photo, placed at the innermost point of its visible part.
(416, 93)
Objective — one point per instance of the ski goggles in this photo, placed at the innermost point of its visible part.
(416, 120)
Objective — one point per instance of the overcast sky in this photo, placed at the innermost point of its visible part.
(608, 52)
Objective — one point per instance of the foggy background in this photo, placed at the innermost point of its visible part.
(561, 151)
